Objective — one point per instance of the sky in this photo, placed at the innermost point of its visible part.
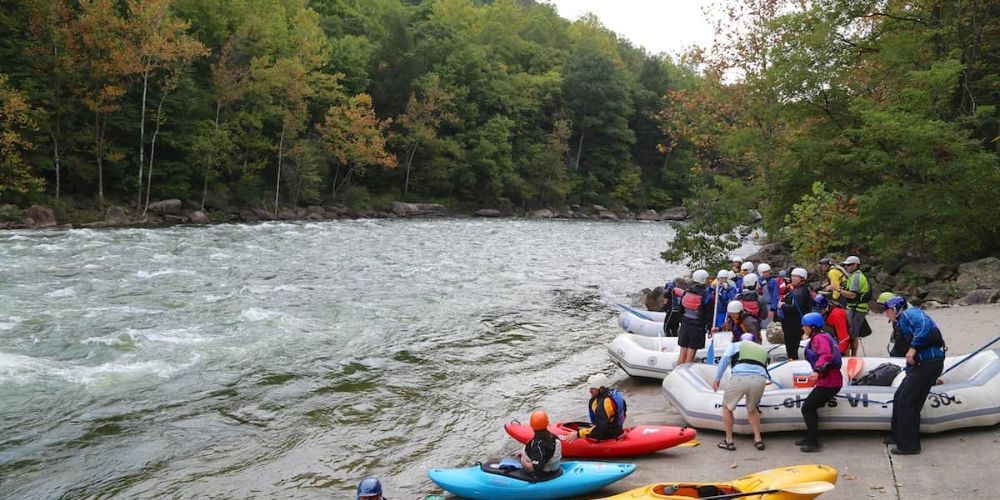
(668, 26)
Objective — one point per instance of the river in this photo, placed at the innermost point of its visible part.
(291, 359)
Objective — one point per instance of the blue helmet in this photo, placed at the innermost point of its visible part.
(898, 303)
(369, 486)
(814, 320)
(820, 302)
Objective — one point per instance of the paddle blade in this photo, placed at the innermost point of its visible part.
(809, 488)
(854, 367)
(690, 444)
(710, 356)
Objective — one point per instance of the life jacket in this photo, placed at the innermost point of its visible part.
(751, 353)
(812, 355)
(751, 303)
(783, 288)
(693, 301)
(620, 407)
(860, 302)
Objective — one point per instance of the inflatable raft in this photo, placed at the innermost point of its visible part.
(490, 481)
(638, 440)
(968, 397)
(800, 482)
(647, 323)
(655, 357)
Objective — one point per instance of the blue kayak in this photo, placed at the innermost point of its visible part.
(576, 478)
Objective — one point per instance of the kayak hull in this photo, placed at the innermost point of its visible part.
(578, 478)
(761, 481)
(638, 440)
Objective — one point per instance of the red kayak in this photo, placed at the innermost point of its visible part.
(638, 440)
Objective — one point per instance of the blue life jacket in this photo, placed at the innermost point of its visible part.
(812, 356)
(620, 407)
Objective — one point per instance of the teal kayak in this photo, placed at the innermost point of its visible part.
(486, 482)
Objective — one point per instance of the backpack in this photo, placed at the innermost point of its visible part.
(882, 375)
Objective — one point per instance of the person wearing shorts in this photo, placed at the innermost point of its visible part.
(858, 292)
(749, 367)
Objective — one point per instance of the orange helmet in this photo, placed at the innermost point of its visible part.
(539, 420)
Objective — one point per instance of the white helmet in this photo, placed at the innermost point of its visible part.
(734, 307)
(800, 272)
(732, 275)
(598, 380)
(763, 267)
(747, 266)
(700, 276)
(723, 274)
(750, 280)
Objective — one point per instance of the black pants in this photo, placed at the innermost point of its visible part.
(792, 328)
(816, 399)
(909, 400)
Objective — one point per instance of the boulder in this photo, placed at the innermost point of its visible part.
(249, 216)
(287, 214)
(599, 208)
(676, 213)
(933, 304)
(199, 217)
(648, 215)
(607, 215)
(487, 212)
(983, 273)
(315, 210)
(116, 216)
(315, 217)
(418, 209)
(167, 207)
(987, 296)
(543, 213)
(263, 214)
(39, 216)
(928, 271)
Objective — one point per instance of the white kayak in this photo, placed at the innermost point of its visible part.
(655, 357)
(968, 397)
(641, 322)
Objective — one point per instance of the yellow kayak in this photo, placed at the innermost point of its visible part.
(794, 482)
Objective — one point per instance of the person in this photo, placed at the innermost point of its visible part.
(797, 303)
(835, 321)
(749, 297)
(674, 309)
(727, 292)
(543, 453)
(769, 291)
(740, 323)
(749, 367)
(857, 294)
(823, 356)
(697, 304)
(607, 411)
(737, 266)
(835, 274)
(924, 364)
(899, 344)
(370, 488)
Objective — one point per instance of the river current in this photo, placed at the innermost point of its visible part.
(291, 359)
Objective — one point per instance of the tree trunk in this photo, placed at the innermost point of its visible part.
(99, 152)
(579, 149)
(142, 136)
(152, 152)
(298, 181)
(336, 176)
(409, 161)
(55, 159)
(277, 181)
(204, 193)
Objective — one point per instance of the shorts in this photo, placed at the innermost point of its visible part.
(691, 336)
(856, 322)
(751, 386)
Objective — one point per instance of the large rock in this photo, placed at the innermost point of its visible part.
(648, 215)
(249, 216)
(315, 210)
(418, 209)
(980, 297)
(928, 271)
(287, 214)
(676, 213)
(607, 215)
(39, 216)
(167, 207)
(487, 212)
(598, 208)
(199, 217)
(116, 216)
(543, 213)
(983, 273)
(262, 214)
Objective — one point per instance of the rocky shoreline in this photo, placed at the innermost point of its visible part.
(174, 212)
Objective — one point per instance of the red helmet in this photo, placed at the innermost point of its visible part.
(539, 420)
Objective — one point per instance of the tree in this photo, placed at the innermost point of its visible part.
(355, 137)
(422, 119)
(15, 119)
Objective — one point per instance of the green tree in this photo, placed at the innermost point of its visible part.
(15, 120)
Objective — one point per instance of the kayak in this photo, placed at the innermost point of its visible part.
(781, 477)
(576, 478)
(638, 440)
(646, 323)
(969, 396)
(653, 357)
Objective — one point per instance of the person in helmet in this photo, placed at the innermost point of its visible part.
(769, 286)
(607, 409)
(824, 357)
(737, 266)
(857, 293)
(740, 323)
(924, 364)
(727, 292)
(749, 296)
(835, 319)
(749, 377)
(673, 307)
(835, 275)
(797, 303)
(697, 316)
(370, 488)
(543, 453)
(899, 344)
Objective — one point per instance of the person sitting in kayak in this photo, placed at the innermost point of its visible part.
(607, 411)
(543, 453)
(370, 488)
(740, 323)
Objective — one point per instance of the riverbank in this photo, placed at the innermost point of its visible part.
(951, 466)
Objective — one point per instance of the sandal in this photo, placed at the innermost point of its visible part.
(759, 445)
(726, 445)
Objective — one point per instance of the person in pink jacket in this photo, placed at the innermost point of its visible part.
(824, 356)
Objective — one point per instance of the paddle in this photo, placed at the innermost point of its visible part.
(967, 356)
(635, 312)
(710, 355)
(810, 488)
(854, 366)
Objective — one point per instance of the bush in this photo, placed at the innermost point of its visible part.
(814, 224)
(711, 235)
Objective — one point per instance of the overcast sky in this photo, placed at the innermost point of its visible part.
(668, 26)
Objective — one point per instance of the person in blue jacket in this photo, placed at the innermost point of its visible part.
(924, 364)
(727, 293)
(769, 292)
